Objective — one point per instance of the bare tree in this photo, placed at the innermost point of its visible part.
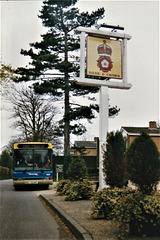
(33, 115)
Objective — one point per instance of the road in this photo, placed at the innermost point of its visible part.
(23, 216)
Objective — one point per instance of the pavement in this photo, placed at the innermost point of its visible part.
(77, 216)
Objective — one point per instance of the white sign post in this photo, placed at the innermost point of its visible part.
(59, 169)
(105, 61)
(103, 129)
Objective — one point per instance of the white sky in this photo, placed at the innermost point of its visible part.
(139, 105)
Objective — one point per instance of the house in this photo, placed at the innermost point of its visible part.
(90, 153)
(132, 132)
(85, 148)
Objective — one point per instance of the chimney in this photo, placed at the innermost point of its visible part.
(152, 124)
(96, 139)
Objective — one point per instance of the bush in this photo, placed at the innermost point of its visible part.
(138, 210)
(63, 186)
(114, 160)
(6, 160)
(80, 191)
(5, 173)
(143, 163)
(128, 207)
(77, 169)
(75, 190)
(104, 201)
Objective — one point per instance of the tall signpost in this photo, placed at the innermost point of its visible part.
(103, 55)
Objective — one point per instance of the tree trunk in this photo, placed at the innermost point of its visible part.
(66, 114)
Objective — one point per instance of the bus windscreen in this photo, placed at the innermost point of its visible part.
(32, 159)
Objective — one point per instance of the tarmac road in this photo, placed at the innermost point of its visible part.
(23, 216)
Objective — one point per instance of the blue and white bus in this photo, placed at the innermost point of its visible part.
(32, 164)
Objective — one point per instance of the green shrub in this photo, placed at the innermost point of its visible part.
(63, 186)
(80, 191)
(86, 189)
(77, 190)
(143, 163)
(127, 206)
(6, 160)
(104, 201)
(138, 209)
(102, 205)
(77, 169)
(73, 194)
(5, 173)
(114, 160)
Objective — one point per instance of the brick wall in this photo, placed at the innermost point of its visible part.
(130, 139)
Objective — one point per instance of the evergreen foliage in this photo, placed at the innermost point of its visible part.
(128, 208)
(79, 191)
(75, 190)
(7, 76)
(77, 169)
(63, 186)
(5, 173)
(55, 52)
(105, 200)
(143, 163)
(114, 160)
(67, 161)
(6, 160)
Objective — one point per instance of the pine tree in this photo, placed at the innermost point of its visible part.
(54, 53)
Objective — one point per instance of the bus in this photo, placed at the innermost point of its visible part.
(32, 164)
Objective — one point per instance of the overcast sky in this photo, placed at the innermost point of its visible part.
(139, 105)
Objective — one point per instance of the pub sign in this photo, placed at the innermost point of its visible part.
(104, 57)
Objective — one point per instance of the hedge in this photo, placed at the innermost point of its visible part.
(5, 173)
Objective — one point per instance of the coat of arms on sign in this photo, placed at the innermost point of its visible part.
(104, 62)
(104, 57)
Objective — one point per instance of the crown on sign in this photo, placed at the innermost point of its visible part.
(104, 49)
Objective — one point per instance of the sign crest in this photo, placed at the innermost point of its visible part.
(104, 57)
(104, 61)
